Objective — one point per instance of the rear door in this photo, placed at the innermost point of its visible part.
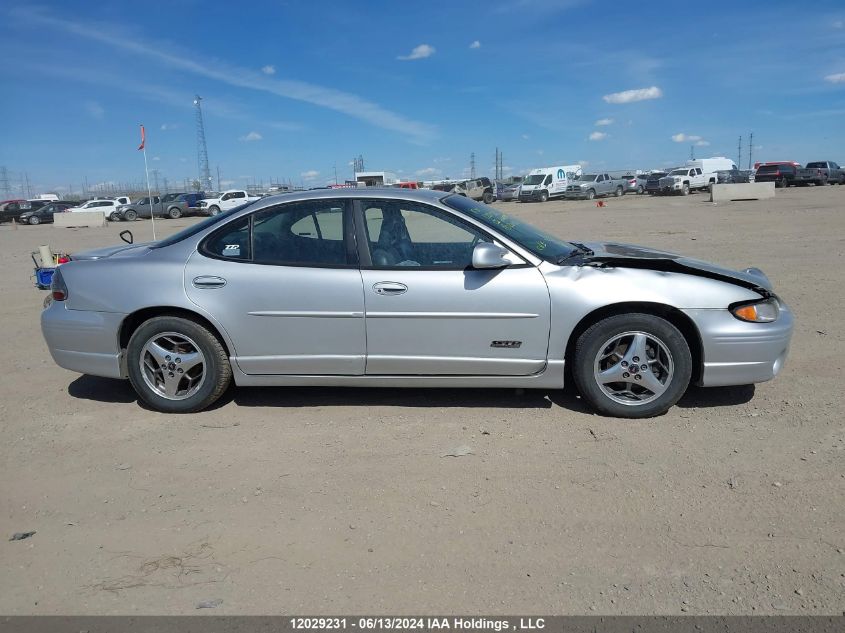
(285, 284)
(428, 312)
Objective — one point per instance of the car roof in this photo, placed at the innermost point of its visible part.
(420, 195)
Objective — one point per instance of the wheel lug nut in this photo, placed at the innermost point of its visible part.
(644, 367)
(167, 358)
(626, 375)
(637, 377)
(636, 359)
(624, 363)
(170, 373)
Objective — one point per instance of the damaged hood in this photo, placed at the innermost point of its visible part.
(632, 256)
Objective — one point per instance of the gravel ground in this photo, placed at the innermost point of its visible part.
(340, 501)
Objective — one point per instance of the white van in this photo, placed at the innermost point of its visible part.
(547, 182)
(712, 165)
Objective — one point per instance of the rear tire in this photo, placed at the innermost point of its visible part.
(619, 192)
(144, 370)
(606, 345)
(640, 190)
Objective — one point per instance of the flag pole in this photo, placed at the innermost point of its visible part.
(149, 189)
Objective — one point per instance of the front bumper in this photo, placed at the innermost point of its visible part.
(741, 353)
(83, 341)
(530, 196)
(575, 195)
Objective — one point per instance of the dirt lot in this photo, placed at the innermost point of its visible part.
(339, 501)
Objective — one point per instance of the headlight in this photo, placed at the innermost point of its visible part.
(764, 311)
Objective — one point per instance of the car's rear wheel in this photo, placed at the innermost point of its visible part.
(130, 215)
(632, 365)
(174, 213)
(177, 365)
(114, 217)
(640, 190)
(619, 192)
(591, 194)
(784, 183)
(34, 219)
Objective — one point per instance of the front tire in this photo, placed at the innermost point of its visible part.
(632, 365)
(487, 198)
(174, 213)
(130, 216)
(213, 210)
(544, 196)
(177, 365)
(34, 219)
(685, 190)
(591, 194)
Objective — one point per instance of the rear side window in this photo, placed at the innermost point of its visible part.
(232, 241)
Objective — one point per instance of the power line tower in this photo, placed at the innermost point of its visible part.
(358, 164)
(202, 149)
(472, 165)
(5, 187)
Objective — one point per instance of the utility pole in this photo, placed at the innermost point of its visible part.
(335, 173)
(5, 188)
(218, 177)
(750, 148)
(202, 148)
(739, 153)
(155, 180)
(472, 165)
(692, 152)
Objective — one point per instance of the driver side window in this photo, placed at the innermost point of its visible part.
(405, 234)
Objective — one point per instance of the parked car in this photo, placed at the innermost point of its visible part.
(635, 183)
(454, 293)
(142, 208)
(546, 183)
(782, 174)
(481, 189)
(44, 214)
(731, 176)
(106, 207)
(11, 209)
(652, 183)
(686, 179)
(510, 193)
(227, 200)
(589, 186)
(820, 173)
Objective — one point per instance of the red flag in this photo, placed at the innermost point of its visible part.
(143, 139)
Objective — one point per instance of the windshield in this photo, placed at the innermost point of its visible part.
(587, 177)
(534, 179)
(199, 226)
(531, 238)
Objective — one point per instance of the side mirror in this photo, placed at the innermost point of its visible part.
(487, 255)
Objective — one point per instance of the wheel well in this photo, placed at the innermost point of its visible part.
(134, 321)
(673, 315)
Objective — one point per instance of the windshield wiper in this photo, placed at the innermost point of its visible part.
(580, 249)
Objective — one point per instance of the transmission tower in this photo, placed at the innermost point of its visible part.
(358, 164)
(5, 187)
(472, 165)
(202, 149)
(499, 169)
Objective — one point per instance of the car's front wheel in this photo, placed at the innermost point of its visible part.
(174, 213)
(177, 365)
(130, 216)
(632, 365)
(591, 194)
(34, 219)
(487, 198)
(213, 210)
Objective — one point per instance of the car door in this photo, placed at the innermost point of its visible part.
(428, 312)
(232, 199)
(285, 285)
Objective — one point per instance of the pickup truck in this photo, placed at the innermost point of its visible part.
(588, 186)
(820, 173)
(227, 200)
(686, 179)
(141, 208)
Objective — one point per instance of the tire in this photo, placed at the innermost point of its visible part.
(114, 217)
(669, 369)
(640, 190)
(130, 216)
(591, 194)
(685, 190)
(619, 192)
(213, 210)
(211, 374)
(34, 219)
(784, 183)
(487, 198)
(174, 213)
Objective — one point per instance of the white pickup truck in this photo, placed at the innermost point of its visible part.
(225, 201)
(686, 179)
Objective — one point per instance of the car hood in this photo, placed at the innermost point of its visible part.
(633, 256)
(125, 250)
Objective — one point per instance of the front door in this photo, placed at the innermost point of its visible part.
(284, 283)
(428, 312)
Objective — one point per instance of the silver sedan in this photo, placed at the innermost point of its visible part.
(395, 288)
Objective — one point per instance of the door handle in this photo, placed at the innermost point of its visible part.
(389, 288)
(208, 282)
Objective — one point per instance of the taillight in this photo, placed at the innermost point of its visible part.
(62, 259)
(58, 288)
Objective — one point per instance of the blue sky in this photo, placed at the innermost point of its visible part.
(293, 89)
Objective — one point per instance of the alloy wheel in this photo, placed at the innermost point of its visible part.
(172, 365)
(633, 368)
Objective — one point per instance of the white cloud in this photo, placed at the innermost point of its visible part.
(630, 96)
(837, 78)
(525, 137)
(94, 109)
(227, 183)
(420, 52)
(702, 143)
(475, 44)
(583, 163)
(839, 24)
(269, 69)
(311, 174)
(598, 136)
(156, 158)
(680, 137)
(169, 126)
(601, 122)
(252, 136)
(322, 96)
(428, 171)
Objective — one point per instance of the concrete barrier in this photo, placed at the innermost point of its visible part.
(742, 191)
(79, 218)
